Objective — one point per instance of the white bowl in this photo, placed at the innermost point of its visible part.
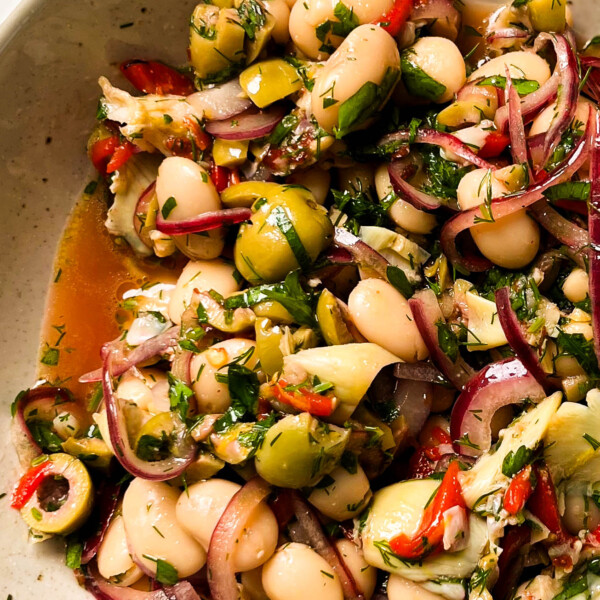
(51, 55)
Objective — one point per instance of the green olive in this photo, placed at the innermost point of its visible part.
(268, 346)
(230, 153)
(270, 80)
(548, 15)
(247, 192)
(63, 500)
(91, 451)
(158, 437)
(298, 450)
(274, 311)
(204, 467)
(330, 319)
(287, 230)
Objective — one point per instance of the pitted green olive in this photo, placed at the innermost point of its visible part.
(91, 451)
(287, 230)
(268, 345)
(158, 436)
(63, 500)
(330, 319)
(299, 450)
(270, 80)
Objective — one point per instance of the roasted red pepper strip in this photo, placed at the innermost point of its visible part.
(111, 153)
(543, 504)
(29, 483)
(430, 534)
(519, 491)
(305, 400)
(394, 20)
(495, 144)
(219, 176)
(153, 77)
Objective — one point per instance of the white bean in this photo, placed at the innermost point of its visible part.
(403, 213)
(317, 180)
(365, 55)
(363, 574)
(281, 12)
(152, 528)
(441, 59)
(203, 275)
(542, 122)
(346, 495)
(67, 425)
(252, 585)
(307, 15)
(576, 286)
(580, 512)
(522, 65)
(200, 508)
(383, 316)
(403, 589)
(212, 396)
(297, 572)
(511, 242)
(113, 558)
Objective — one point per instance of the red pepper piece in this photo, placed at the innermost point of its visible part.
(305, 400)
(110, 154)
(153, 77)
(430, 534)
(519, 491)
(396, 17)
(29, 484)
(495, 144)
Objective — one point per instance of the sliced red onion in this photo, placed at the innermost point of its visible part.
(370, 262)
(338, 256)
(107, 501)
(507, 205)
(419, 371)
(25, 445)
(320, 543)
(103, 590)
(516, 340)
(427, 313)
(141, 208)
(592, 84)
(536, 145)
(516, 128)
(408, 192)
(229, 529)
(160, 470)
(562, 229)
(203, 222)
(594, 227)
(447, 141)
(507, 34)
(496, 385)
(153, 347)
(180, 365)
(568, 89)
(203, 429)
(247, 126)
(221, 102)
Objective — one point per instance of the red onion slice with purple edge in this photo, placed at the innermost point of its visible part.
(516, 127)
(248, 125)
(496, 385)
(203, 222)
(516, 340)
(565, 231)
(159, 470)
(427, 313)
(369, 261)
(221, 572)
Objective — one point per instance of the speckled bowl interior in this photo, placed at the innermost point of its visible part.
(51, 54)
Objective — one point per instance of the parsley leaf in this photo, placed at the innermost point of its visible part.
(523, 86)
(74, 550)
(447, 340)
(514, 461)
(243, 388)
(581, 349)
(569, 190)
(179, 396)
(417, 81)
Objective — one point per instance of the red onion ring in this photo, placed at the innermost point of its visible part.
(419, 371)
(536, 145)
(107, 501)
(447, 141)
(506, 205)
(516, 340)
(141, 208)
(370, 262)
(203, 222)
(496, 385)
(160, 470)
(568, 86)
(516, 128)
(320, 543)
(247, 126)
(592, 84)
(508, 33)
(408, 192)
(426, 313)
(565, 231)
(594, 227)
(180, 366)
(152, 347)
(434, 9)
(103, 590)
(221, 573)
(25, 445)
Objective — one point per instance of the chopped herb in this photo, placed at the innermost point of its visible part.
(168, 207)
(594, 443)
(417, 81)
(514, 461)
(167, 119)
(569, 190)
(447, 340)
(280, 217)
(523, 86)
(74, 551)
(179, 396)
(126, 25)
(254, 438)
(581, 349)
(398, 279)
(243, 388)
(252, 17)
(50, 357)
(90, 188)
(166, 573)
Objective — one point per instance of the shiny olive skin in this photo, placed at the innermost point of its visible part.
(298, 451)
(264, 252)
